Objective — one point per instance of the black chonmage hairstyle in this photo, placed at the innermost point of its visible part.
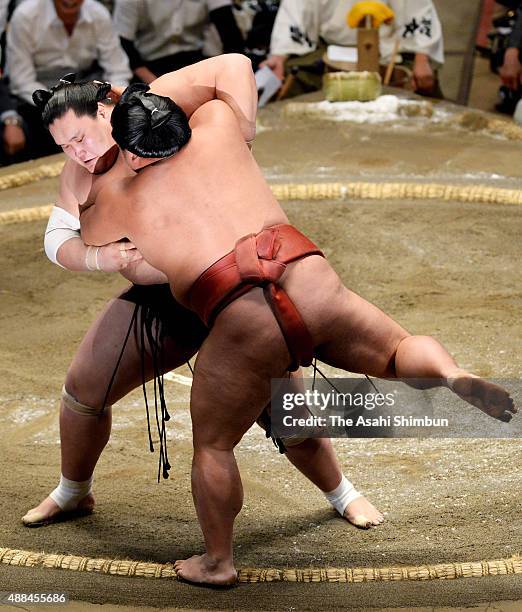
(82, 98)
(149, 125)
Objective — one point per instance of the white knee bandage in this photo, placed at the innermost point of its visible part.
(73, 404)
(341, 496)
(69, 492)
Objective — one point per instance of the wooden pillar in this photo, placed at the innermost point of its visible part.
(368, 49)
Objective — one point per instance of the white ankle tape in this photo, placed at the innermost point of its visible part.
(69, 492)
(344, 494)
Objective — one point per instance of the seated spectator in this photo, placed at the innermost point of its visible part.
(160, 37)
(6, 11)
(4, 14)
(511, 69)
(14, 141)
(48, 38)
(13, 147)
(255, 19)
(303, 28)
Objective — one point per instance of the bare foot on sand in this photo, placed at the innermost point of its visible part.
(202, 570)
(361, 513)
(50, 512)
(487, 396)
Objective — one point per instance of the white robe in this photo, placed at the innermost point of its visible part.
(300, 24)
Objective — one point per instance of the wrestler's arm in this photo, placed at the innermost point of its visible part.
(71, 254)
(103, 224)
(103, 221)
(63, 244)
(65, 247)
(226, 77)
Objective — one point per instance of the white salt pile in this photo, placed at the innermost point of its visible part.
(384, 108)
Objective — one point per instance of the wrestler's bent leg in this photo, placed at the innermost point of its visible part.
(364, 339)
(315, 458)
(244, 350)
(84, 437)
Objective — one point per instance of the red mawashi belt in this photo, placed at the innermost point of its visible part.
(259, 260)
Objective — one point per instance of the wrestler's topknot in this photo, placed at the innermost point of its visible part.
(149, 125)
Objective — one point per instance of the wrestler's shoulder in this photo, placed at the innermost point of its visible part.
(75, 175)
(118, 188)
(73, 187)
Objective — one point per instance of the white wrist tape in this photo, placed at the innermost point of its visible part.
(70, 492)
(62, 226)
(344, 494)
(91, 258)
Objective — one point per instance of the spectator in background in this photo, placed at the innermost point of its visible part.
(14, 140)
(256, 19)
(302, 28)
(4, 14)
(48, 38)
(7, 8)
(162, 36)
(511, 69)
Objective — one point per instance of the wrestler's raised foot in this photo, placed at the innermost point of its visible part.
(50, 512)
(363, 514)
(489, 397)
(200, 569)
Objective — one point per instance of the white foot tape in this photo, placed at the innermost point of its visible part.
(70, 492)
(341, 496)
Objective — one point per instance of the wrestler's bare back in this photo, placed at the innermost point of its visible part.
(185, 212)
